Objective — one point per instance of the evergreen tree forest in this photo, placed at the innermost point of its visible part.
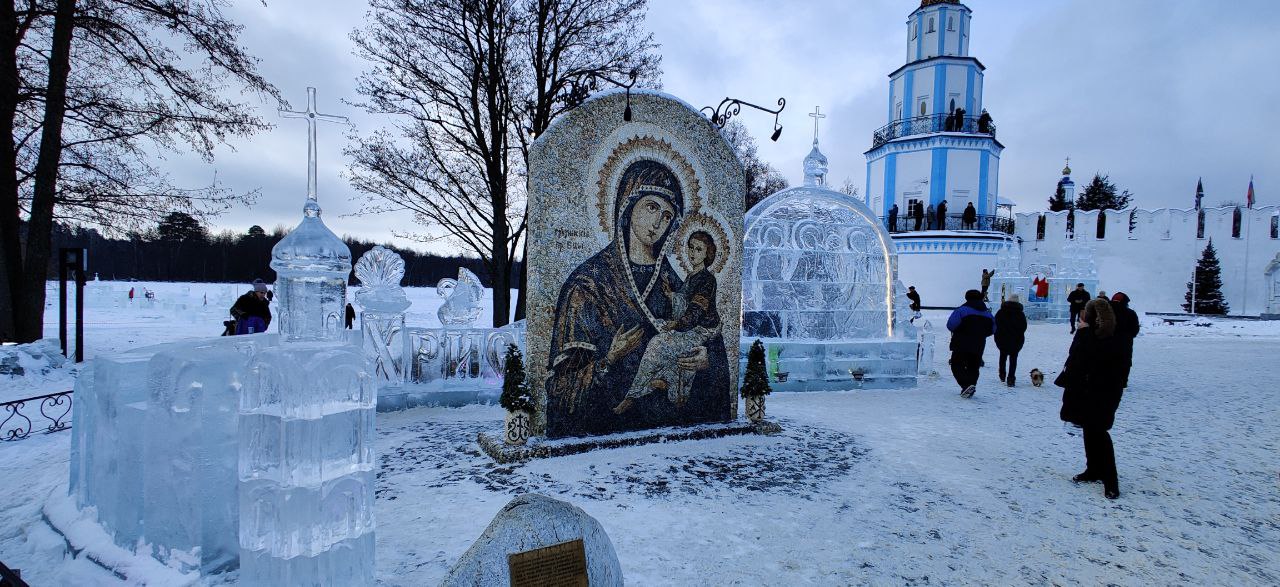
(1207, 284)
(179, 248)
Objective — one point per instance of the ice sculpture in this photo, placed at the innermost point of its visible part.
(383, 303)
(462, 299)
(820, 287)
(306, 421)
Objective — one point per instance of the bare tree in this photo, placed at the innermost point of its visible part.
(92, 92)
(848, 187)
(762, 178)
(470, 84)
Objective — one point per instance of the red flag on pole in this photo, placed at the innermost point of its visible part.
(1249, 196)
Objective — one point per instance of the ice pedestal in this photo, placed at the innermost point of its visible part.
(306, 467)
(383, 304)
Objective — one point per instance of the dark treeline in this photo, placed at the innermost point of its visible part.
(180, 249)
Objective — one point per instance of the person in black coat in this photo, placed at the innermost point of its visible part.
(350, 316)
(1127, 325)
(970, 216)
(253, 304)
(970, 325)
(1092, 382)
(1076, 301)
(1011, 332)
(918, 211)
(914, 296)
(893, 218)
(942, 215)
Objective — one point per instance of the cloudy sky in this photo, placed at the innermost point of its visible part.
(1154, 93)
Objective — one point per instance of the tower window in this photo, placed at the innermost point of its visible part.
(915, 30)
(1275, 227)
(923, 108)
(931, 28)
(953, 106)
(951, 23)
(898, 110)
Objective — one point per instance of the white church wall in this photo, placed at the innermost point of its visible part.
(962, 179)
(1153, 263)
(914, 168)
(956, 86)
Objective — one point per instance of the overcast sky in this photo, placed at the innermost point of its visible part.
(1154, 93)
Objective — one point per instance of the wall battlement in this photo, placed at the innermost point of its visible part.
(1153, 262)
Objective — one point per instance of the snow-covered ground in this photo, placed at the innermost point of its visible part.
(883, 487)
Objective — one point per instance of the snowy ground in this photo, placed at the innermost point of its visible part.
(880, 487)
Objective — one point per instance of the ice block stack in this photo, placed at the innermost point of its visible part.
(306, 467)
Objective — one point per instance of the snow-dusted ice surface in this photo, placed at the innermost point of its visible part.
(888, 487)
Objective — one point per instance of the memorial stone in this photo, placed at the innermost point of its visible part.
(635, 287)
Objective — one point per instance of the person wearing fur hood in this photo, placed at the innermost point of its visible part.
(1093, 381)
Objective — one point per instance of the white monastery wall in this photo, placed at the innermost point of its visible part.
(1154, 262)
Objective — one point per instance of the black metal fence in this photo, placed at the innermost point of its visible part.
(923, 125)
(951, 222)
(51, 413)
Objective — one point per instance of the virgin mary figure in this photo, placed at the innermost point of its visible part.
(609, 309)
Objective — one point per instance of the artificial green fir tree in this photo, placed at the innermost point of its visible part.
(515, 391)
(756, 381)
(1207, 284)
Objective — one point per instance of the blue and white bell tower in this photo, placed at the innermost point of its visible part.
(939, 144)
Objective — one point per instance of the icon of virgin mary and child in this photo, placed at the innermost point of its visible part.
(633, 345)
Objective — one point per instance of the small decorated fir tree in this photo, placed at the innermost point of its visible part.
(515, 391)
(1207, 282)
(756, 381)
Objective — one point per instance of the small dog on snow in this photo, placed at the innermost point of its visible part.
(1037, 377)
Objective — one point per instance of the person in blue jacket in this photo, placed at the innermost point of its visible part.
(970, 325)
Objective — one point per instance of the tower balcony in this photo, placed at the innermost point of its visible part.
(932, 123)
(952, 222)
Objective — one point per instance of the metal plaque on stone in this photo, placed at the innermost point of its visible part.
(556, 565)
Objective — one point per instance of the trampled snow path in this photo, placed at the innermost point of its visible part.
(881, 487)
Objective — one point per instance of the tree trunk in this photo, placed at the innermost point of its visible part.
(522, 293)
(30, 309)
(10, 242)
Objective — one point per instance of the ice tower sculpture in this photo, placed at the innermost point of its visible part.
(820, 288)
(306, 420)
(383, 303)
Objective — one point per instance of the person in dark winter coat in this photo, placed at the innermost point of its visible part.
(1127, 325)
(1076, 301)
(970, 325)
(942, 215)
(252, 311)
(929, 216)
(970, 216)
(351, 316)
(1011, 334)
(893, 218)
(1092, 382)
(918, 211)
(914, 296)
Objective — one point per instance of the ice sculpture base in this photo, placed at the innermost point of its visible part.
(829, 365)
(541, 448)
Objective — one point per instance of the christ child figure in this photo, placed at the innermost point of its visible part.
(697, 321)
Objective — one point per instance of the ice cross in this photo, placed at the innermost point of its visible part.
(815, 115)
(311, 115)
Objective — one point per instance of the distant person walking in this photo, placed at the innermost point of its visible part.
(918, 211)
(970, 217)
(970, 325)
(1011, 333)
(942, 215)
(251, 313)
(1092, 382)
(351, 315)
(893, 218)
(131, 295)
(1075, 302)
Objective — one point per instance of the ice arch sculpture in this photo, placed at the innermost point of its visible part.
(820, 289)
(817, 266)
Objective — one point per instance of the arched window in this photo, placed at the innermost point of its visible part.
(951, 23)
(931, 28)
(1235, 223)
(915, 30)
(1200, 224)
(923, 108)
(1102, 225)
(1275, 227)
(953, 106)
